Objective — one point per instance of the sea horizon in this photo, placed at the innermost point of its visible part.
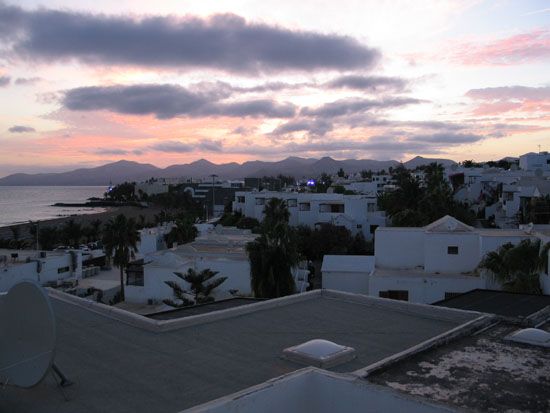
(21, 204)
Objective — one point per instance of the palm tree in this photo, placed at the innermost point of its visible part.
(72, 233)
(120, 238)
(273, 254)
(199, 284)
(517, 267)
(184, 232)
(275, 211)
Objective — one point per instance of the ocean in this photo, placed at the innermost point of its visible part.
(20, 204)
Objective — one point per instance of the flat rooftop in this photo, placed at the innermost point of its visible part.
(120, 367)
(498, 302)
(480, 372)
(203, 308)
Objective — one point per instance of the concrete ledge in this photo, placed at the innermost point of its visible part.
(168, 325)
(443, 338)
(124, 316)
(158, 326)
(421, 310)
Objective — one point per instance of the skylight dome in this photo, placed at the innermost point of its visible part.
(320, 353)
(534, 336)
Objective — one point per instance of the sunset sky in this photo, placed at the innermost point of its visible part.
(84, 83)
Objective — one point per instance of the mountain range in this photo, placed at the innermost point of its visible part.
(122, 171)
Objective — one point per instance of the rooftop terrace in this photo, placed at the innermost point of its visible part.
(123, 362)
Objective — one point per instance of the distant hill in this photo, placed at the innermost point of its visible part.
(122, 171)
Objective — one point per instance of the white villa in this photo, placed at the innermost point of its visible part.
(426, 264)
(46, 267)
(221, 249)
(358, 213)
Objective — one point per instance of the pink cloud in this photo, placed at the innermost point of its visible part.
(497, 100)
(521, 48)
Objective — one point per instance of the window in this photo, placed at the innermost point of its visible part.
(331, 208)
(373, 228)
(62, 270)
(260, 201)
(452, 250)
(240, 199)
(402, 295)
(371, 207)
(134, 273)
(305, 206)
(292, 203)
(451, 295)
(359, 226)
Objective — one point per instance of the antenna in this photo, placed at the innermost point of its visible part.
(28, 336)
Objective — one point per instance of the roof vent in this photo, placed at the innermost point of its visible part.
(533, 336)
(319, 353)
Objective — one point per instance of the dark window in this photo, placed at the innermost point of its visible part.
(402, 295)
(452, 250)
(359, 226)
(134, 273)
(62, 270)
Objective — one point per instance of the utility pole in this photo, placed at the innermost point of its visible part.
(213, 176)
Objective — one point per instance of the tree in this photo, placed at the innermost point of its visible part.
(122, 192)
(200, 285)
(120, 238)
(71, 233)
(341, 173)
(273, 254)
(275, 212)
(517, 267)
(415, 205)
(183, 232)
(48, 237)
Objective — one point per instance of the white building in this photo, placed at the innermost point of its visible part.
(46, 267)
(221, 249)
(358, 213)
(152, 239)
(349, 273)
(439, 260)
(532, 161)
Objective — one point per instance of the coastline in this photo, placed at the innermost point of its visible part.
(84, 219)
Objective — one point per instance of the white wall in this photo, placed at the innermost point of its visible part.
(236, 271)
(438, 260)
(399, 249)
(351, 282)
(11, 274)
(426, 290)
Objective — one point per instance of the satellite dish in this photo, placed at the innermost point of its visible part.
(27, 335)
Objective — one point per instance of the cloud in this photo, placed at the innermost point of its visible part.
(517, 49)
(169, 101)
(224, 42)
(113, 151)
(356, 105)
(21, 129)
(23, 81)
(498, 100)
(511, 92)
(447, 138)
(370, 83)
(317, 127)
(5, 81)
(172, 146)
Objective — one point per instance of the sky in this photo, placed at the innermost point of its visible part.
(167, 82)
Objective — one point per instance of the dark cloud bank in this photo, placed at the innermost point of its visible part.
(226, 42)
